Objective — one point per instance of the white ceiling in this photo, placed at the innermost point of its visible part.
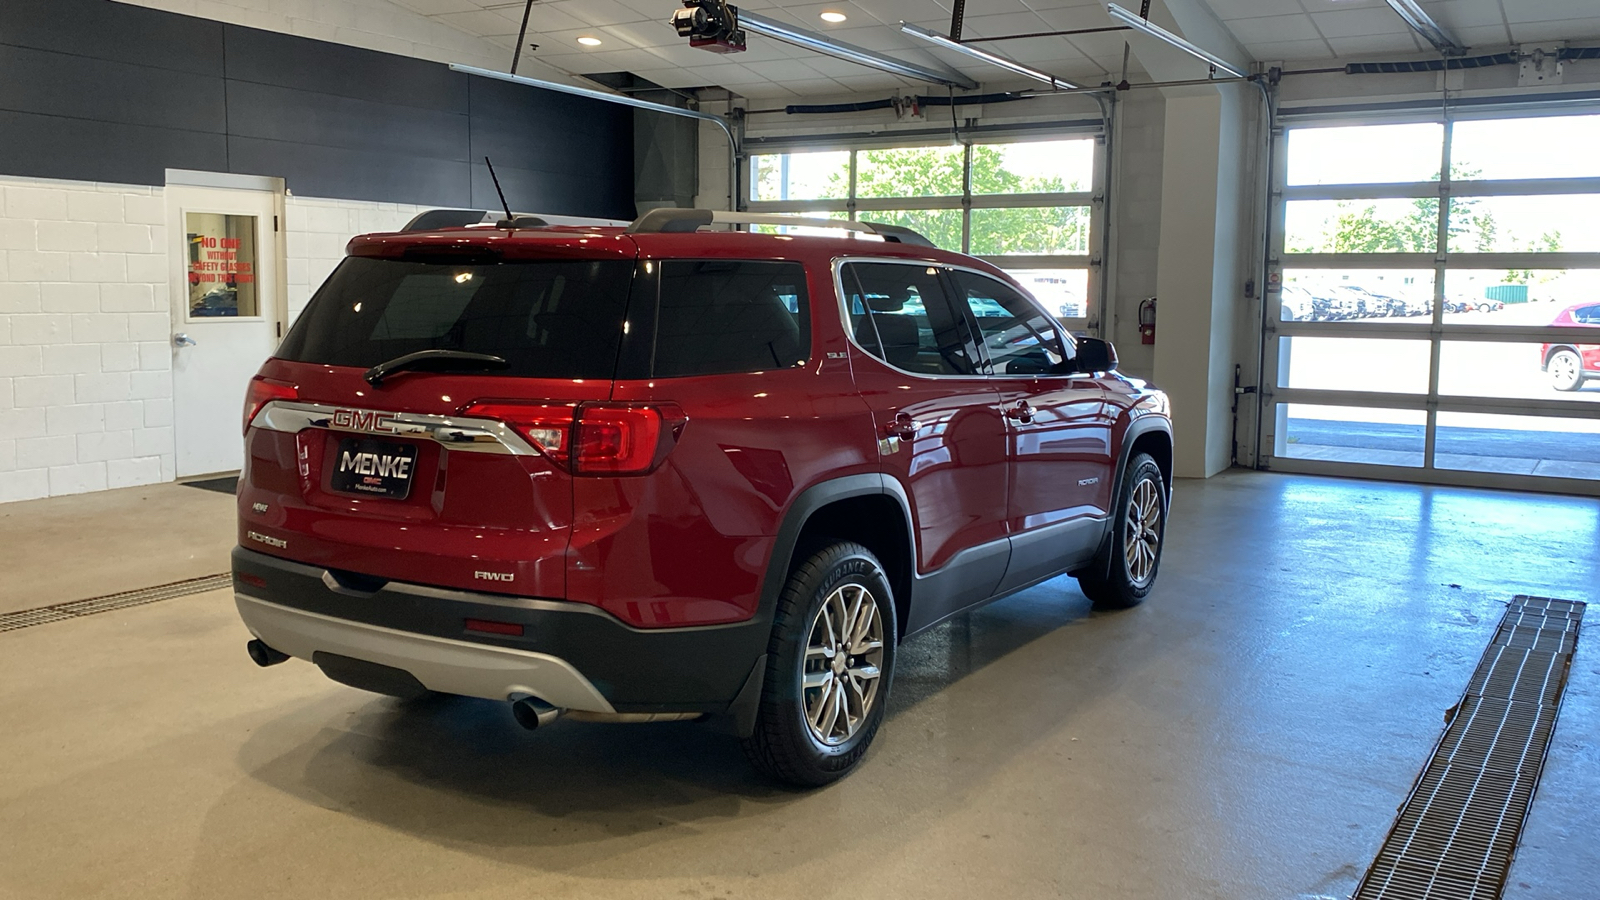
(635, 36)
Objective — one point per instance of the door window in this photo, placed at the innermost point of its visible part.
(909, 322)
(1018, 337)
(222, 265)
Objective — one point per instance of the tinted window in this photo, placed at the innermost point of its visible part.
(1018, 337)
(731, 316)
(911, 324)
(1588, 315)
(547, 319)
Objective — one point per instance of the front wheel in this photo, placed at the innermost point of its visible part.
(1122, 575)
(1566, 370)
(829, 666)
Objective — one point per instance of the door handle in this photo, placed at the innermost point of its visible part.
(903, 427)
(1022, 412)
(182, 340)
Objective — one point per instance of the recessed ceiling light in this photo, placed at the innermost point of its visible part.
(834, 17)
(589, 41)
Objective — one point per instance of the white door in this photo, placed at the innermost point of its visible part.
(226, 315)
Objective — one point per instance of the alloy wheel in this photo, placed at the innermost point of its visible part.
(1564, 370)
(1142, 532)
(844, 653)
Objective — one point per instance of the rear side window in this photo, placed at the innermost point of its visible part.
(911, 324)
(718, 316)
(546, 319)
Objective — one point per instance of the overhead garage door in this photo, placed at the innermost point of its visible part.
(1435, 292)
(1028, 203)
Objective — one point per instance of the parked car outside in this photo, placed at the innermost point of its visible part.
(654, 473)
(1569, 365)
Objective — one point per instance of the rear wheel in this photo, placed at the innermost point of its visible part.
(1122, 575)
(829, 665)
(1566, 370)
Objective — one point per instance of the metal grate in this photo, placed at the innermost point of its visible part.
(62, 611)
(1456, 833)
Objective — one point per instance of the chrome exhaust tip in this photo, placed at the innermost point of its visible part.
(532, 713)
(264, 656)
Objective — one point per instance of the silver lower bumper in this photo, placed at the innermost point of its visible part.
(441, 664)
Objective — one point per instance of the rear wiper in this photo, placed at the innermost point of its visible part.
(435, 360)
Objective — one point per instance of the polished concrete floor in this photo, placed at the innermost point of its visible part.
(1247, 733)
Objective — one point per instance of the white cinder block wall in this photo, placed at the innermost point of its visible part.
(85, 369)
(86, 325)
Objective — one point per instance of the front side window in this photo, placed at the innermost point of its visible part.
(729, 315)
(909, 322)
(1019, 339)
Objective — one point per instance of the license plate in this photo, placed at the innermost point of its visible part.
(373, 468)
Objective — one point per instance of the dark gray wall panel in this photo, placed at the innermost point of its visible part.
(96, 90)
(532, 190)
(283, 114)
(80, 87)
(266, 57)
(312, 171)
(86, 150)
(101, 29)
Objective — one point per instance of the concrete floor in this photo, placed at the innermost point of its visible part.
(88, 545)
(1247, 733)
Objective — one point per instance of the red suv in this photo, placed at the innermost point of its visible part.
(658, 473)
(1570, 364)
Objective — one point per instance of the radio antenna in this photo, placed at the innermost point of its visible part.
(510, 221)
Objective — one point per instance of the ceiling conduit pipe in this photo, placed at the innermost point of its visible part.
(623, 100)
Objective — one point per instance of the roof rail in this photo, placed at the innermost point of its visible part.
(680, 221)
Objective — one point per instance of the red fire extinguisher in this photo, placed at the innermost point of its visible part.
(1147, 321)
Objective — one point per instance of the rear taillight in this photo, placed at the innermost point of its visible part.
(592, 438)
(262, 391)
(547, 427)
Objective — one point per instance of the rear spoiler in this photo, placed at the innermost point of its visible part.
(435, 219)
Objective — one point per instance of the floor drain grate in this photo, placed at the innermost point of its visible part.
(1456, 833)
(60, 612)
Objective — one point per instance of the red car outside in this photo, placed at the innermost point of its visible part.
(1570, 364)
(655, 473)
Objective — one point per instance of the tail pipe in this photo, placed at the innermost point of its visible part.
(532, 713)
(264, 656)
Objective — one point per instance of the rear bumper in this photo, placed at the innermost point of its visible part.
(439, 664)
(569, 654)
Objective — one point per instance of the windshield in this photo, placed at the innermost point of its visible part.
(559, 319)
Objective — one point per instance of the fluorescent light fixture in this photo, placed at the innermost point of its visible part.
(589, 41)
(1156, 31)
(993, 59)
(821, 43)
(833, 17)
(1423, 24)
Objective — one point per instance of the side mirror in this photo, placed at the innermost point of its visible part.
(1095, 355)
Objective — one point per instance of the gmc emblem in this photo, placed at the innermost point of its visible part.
(363, 420)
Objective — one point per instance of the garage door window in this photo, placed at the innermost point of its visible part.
(1435, 276)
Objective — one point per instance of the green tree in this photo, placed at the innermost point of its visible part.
(912, 172)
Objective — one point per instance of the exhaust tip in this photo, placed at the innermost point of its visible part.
(264, 656)
(532, 713)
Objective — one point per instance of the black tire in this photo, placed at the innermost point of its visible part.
(1111, 581)
(784, 744)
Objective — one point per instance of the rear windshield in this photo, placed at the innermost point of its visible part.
(546, 319)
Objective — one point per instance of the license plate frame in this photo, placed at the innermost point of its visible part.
(370, 467)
